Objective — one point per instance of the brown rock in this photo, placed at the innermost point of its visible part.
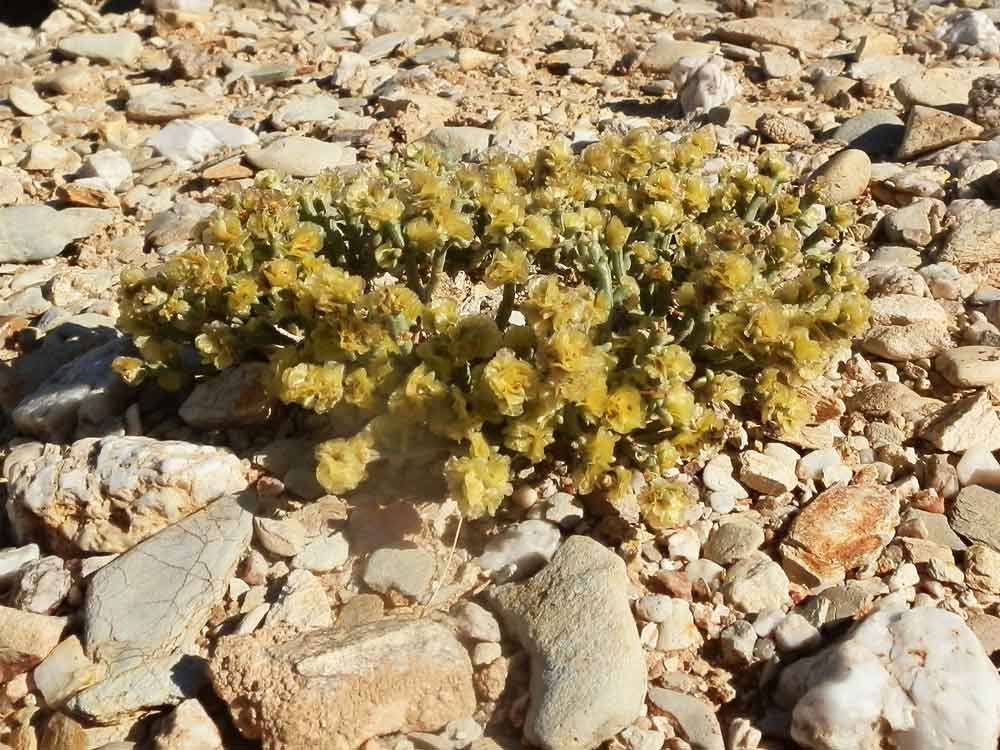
(928, 129)
(841, 530)
(336, 689)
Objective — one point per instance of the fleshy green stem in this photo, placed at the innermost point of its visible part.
(437, 268)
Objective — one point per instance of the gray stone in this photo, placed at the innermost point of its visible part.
(756, 583)
(80, 397)
(936, 526)
(732, 541)
(28, 302)
(696, 718)
(13, 560)
(780, 64)
(306, 110)
(155, 598)
(887, 69)
(976, 516)
(522, 548)
(21, 242)
(475, 622)
(118, 48)
(344, 685)
(297, 156)
(322, 554)
(588, 673)
(282, 537)
(382, 46)
(408, 571)
(175, 225)
(42, 586)
(461, 140)
(877, 132)
(151, 684)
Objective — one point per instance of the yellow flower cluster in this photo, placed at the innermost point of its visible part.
(654, 295)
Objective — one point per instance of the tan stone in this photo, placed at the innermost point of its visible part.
(966, 423)
(970, 366)
(982, 569)
(938, 87)
(928, 129)
(188, 727)
(26, 639)
(794, 33)
(336, 689)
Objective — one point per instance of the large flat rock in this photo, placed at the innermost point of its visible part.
(337, 688)
(156, 597)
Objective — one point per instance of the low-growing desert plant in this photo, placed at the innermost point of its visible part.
(645, 297)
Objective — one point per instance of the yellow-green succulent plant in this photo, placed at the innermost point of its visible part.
(654, 295)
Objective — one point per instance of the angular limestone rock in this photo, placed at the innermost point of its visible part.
(964, 424)
(105, 495)
(905, 679)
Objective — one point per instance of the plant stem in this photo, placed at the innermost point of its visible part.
(437, 268)
(506, 306)
(413, 275)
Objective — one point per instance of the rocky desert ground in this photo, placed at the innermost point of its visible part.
(173, 577)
